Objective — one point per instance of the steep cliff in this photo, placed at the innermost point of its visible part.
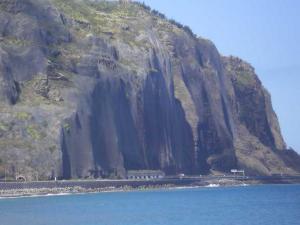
(91, 88)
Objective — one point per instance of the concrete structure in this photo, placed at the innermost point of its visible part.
(145, 174)
(238, 172)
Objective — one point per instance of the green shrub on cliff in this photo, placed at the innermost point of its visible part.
(245, 78)
(3, 127)
(23, 115)
(34, 132)
(67, 127)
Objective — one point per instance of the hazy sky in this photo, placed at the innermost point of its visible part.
(266, 33)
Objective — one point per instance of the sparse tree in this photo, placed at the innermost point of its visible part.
(124, 1)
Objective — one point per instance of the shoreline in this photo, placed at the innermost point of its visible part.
(44, 189)
(35, 193)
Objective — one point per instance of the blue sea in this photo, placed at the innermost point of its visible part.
(251, 205)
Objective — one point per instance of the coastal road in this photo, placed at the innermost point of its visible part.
(174, 181)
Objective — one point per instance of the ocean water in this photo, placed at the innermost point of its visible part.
(251, 205)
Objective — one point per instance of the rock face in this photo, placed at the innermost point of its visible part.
(93, 88)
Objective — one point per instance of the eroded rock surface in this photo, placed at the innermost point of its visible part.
(92, 88)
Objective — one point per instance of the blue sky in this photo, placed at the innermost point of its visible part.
(265, 33)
